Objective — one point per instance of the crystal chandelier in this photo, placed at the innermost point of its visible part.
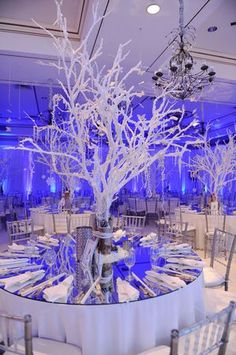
(183, 82)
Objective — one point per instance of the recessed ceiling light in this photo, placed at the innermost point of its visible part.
(153, 9)
(212, 29)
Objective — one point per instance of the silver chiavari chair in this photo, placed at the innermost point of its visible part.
(212, 222)
(133, 222)
(202, 338)
(17, 338)
(20, 230)
(61, 222)
(222, 251)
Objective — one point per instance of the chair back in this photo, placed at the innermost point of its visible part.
(132, 204)
(141, 206)
(60, 223)
(173, 203)
(19, 230)
(215, 221)
(14, 329)
(133, 221)
(152, 206)
(222, 251)
(205, 336)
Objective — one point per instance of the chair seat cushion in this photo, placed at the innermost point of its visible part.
(159, 350)
(212, 278)
(42, 346)
(218, 299)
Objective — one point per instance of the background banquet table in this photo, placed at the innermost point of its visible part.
(112, 329)
(198, 220)
(45, 219)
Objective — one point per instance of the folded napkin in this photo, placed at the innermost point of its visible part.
(15, 283)
(188, 262)
(118, 234)
(125, 291)
(175, 246)
(172, 282)
(115, 256)
(60, 292)
(17, 247)
(48, 240)
(183, 248)
(10, 263)
(150, 237)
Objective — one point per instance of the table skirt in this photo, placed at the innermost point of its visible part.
(116, 329)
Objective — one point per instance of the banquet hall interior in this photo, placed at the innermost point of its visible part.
(118, 177)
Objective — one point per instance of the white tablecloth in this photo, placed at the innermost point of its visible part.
(199, 222)
(45, 219)
(117, 329)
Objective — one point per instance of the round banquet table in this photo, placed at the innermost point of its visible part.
(45, 219)
(112, 329)
(198, 220)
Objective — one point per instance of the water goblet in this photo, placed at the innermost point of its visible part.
(50, 259)
(154, 255)
(129, 262)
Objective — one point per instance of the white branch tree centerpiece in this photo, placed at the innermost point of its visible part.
(100, 138)
(215, 165)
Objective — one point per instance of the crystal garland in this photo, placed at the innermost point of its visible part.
(162, 168)
(147, 182)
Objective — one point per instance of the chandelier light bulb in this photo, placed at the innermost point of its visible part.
(153, 9)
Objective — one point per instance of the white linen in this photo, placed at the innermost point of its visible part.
(41, 217)
(118, 234)
(11, 263)
(14, 283)
(149, 237)
(148, 240)
(188, 262)
(198, 221)
(60, 292)
(115, 256)
(119, 329)
(174, 282)
(48, 240)
(212, 278)
(178, 247)
(125, 291)
(18, 247)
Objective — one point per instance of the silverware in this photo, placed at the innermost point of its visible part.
(32, 289)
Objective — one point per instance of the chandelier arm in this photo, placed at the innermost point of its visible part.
(181, 17)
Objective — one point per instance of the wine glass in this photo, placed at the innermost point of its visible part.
(33, 241)
(154, 255)
(50, 259)
(129, 262)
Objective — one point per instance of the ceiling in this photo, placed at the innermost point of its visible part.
(25, 84)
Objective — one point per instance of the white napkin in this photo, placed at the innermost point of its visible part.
(125, 291)
(60, 292)
(48, 240)
(173, 282)
(11, 263)
(115, 256)
(15, 283)
(118, 234)
(148, 237)
(188, 262)
(18, 247)
(178, 248)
